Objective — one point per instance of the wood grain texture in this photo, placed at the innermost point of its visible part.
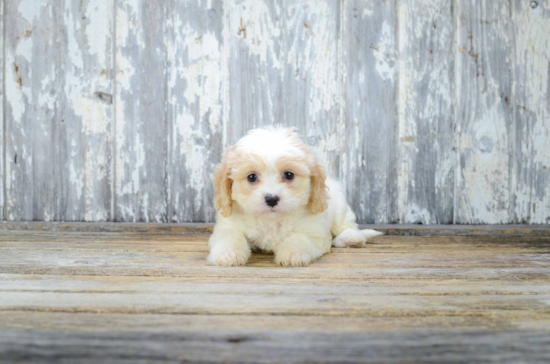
(425, 170)
(484, 112)
(531, 73)
(84, 297)
(141, 115)
(370, 93)
(489, 261)
(205, 229)
(2, 119)
(429, 112)
(32, 114)
(196, 106)
(87, 111)
(251, 346)
(58, 111)
(284, 69)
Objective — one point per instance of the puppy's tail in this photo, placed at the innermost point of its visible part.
(369, 233)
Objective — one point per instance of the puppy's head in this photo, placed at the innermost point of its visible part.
(270, 171)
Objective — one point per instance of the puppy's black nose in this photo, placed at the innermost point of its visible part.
(271, 200)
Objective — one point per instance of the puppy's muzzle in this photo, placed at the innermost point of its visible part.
(271, 200)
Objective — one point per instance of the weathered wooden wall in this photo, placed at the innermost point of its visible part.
(429, 111)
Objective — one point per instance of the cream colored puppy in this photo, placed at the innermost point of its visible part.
(271, 195)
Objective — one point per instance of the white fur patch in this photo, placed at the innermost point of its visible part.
(293, 259)
(228, 258)
(349, 238)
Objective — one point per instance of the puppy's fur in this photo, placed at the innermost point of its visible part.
(311, 210)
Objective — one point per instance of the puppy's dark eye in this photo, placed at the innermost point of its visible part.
(289, 175)
(252, 178)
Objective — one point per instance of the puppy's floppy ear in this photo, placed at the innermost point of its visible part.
(222, 187)
(319, 195)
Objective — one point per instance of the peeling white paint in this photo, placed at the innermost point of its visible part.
(386, 64)
(47, 99)
(316, 52)
(17, 93)
(193, 153)
(74, 51)
(203, 75)
(195, 94)
(32, 9)
(14, 94)
(98, 30)
(92, 112)
(484, 141)
(367, 12)
(424, 114)
(415, 214)
(2, 131)
(89, 37)
(76, 180)
(253, 22)
(125, 71)
(531, 181)
(287, 52)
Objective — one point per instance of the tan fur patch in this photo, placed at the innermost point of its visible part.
(296, 165)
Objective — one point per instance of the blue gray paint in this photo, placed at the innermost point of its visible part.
(428, 111)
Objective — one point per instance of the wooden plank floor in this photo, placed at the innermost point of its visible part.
(89, 293)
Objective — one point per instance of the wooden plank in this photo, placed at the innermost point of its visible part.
(464, 251)
(86, 111)
(311, 79)
(141, 228)
(531, 73)
(484, 112)
(284, 61)
(406, 246)
(258, 346)
(170, 260)
(135, 295)
(2, 118)
(141, 118)
(326, 273)
(8, 227)
(256, 46)
(58, 113)
(370, 93)
(36, 284)
(111, 254)
(196, 102)
(121, 296)
(205, 324)
(167, 259)
(73, 239)
(460, 251)
(262, 304)
(32, 111)
(251, 337)
(425, 168)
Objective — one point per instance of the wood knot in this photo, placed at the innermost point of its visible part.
(106, 98)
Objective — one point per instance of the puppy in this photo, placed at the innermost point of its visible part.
(272, 195)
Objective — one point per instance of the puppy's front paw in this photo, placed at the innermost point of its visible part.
(349, 238)
(228, 258)
(292, 259)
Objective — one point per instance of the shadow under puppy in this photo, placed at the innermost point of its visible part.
(272, 195)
